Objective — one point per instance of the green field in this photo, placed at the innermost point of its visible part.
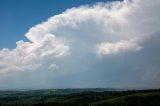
(80, 97)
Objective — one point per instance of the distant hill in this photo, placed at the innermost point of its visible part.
(81, 97)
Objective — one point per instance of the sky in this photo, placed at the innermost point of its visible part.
(18, 16)
(79, 44)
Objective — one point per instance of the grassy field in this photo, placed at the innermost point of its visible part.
(80, 97)
(140, 99)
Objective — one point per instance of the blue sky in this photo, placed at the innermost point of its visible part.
(79, 44)
(17, 16)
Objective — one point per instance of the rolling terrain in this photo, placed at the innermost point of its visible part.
(80, 97)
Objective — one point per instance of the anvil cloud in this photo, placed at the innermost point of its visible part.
(103, 31)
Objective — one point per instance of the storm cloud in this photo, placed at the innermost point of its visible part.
(114, 44)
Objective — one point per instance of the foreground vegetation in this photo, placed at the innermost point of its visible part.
(80, 97)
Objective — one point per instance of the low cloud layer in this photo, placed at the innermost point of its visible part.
(118, 47)
(89, 41)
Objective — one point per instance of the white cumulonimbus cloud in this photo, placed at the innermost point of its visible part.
(101, 29)
(120, 46)
(32, 55)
